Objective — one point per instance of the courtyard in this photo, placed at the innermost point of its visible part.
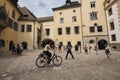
(83, 67)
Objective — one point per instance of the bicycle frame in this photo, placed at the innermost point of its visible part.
(57, 60)
(53, 56)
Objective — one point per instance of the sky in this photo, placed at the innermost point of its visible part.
(41, 8)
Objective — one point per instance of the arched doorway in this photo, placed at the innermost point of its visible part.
(45, 41)
(24, 45)
(11, 45)
(2, 43)
(101, 44)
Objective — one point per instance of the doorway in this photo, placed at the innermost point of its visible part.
(101, 44)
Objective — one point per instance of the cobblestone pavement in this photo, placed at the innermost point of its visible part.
(83, 67)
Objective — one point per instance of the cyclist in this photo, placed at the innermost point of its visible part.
(46, 51)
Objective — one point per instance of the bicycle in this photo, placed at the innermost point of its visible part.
(42, 60)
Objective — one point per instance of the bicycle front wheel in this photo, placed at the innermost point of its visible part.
(40, 62)
(57, 60)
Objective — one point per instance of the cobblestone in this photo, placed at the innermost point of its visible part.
(83, 67)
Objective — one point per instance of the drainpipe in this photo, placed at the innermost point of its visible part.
(82, 25)
(34, 36)
(107, 26)
(41, 29)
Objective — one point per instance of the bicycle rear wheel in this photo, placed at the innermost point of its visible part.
(40, 62)
(57, 60)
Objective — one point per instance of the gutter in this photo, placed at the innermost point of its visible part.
(82, 25)
(34, 36)
(107, 25)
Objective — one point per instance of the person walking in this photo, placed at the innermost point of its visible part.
(80, 48)
(110, 49)
(14, 49)
(18, 49)
(69, 47)
(107, 51)
(86, 49)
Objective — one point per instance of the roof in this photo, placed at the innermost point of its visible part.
(15, 2)
(26, 14)
(72, 5)
(44, 19)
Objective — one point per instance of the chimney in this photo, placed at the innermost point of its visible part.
(68, 2)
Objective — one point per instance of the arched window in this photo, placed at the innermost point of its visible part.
(13, 14)
(93, 16)
(91, 41)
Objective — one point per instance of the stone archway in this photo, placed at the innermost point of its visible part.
(24, 45)
(2, 43)
(101, 44)
(45, 41)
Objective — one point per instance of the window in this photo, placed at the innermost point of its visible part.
(92, 29)
(68, 30)
(22, 28)
(99, 28)
(76, 29)
(113, 37)
(47, 32)
(79, 43)
(10, 21)
(59, 31)
(92, 4)
(91, 41)
(15, 26)
(74, 11)
(13, 14)
(74, 19)
(25, 15)
(93, 16)
(60, 13)
(61, 20)
(112, 27)
(29, 28)
(108, 1)
(110, 12)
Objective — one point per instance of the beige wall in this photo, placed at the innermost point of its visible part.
(29, 37)
(87, 22)
(9, 8)
(86, 10)
(115, 18)
(9, 34)
(48, 25)
(18, 37)
(67, 15)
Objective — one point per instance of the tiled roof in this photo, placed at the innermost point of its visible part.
(72, 5)
(26, 14)
(44, 19)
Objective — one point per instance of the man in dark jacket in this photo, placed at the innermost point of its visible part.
(69, 47)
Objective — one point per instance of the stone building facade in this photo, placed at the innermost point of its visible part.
(11, 19)
(81, 22)
(112, 9)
